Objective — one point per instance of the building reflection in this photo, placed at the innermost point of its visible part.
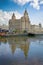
(4, 40)
(25, 48)
(19, 42)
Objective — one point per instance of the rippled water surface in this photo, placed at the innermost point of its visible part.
(21, 51)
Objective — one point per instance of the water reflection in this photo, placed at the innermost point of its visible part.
(21, 43)
(21, 51)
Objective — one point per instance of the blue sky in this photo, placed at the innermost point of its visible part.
(34, 9)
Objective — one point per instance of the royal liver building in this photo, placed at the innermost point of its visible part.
(23, 25)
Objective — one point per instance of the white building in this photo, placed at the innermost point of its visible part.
(23, 24)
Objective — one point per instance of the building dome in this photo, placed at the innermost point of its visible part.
(39, 24)
(13, 16)
(25, 13)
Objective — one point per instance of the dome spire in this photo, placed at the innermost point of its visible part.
(25, 10)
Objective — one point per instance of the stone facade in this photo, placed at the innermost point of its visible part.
(23, 25)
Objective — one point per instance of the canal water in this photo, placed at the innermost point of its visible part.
(21, 51)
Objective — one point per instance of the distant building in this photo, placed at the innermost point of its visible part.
(23, 25)
(4, 27)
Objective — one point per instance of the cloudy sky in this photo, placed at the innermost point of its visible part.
(34, 9)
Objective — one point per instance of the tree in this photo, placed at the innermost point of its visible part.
(25, 31)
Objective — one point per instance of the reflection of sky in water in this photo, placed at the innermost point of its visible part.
(5, 50)
(21, 50)
(36, 49)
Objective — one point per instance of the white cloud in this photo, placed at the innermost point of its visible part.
(34, 3)
(22, 2)
(18, 15)
(41, 2)
(5, 16)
